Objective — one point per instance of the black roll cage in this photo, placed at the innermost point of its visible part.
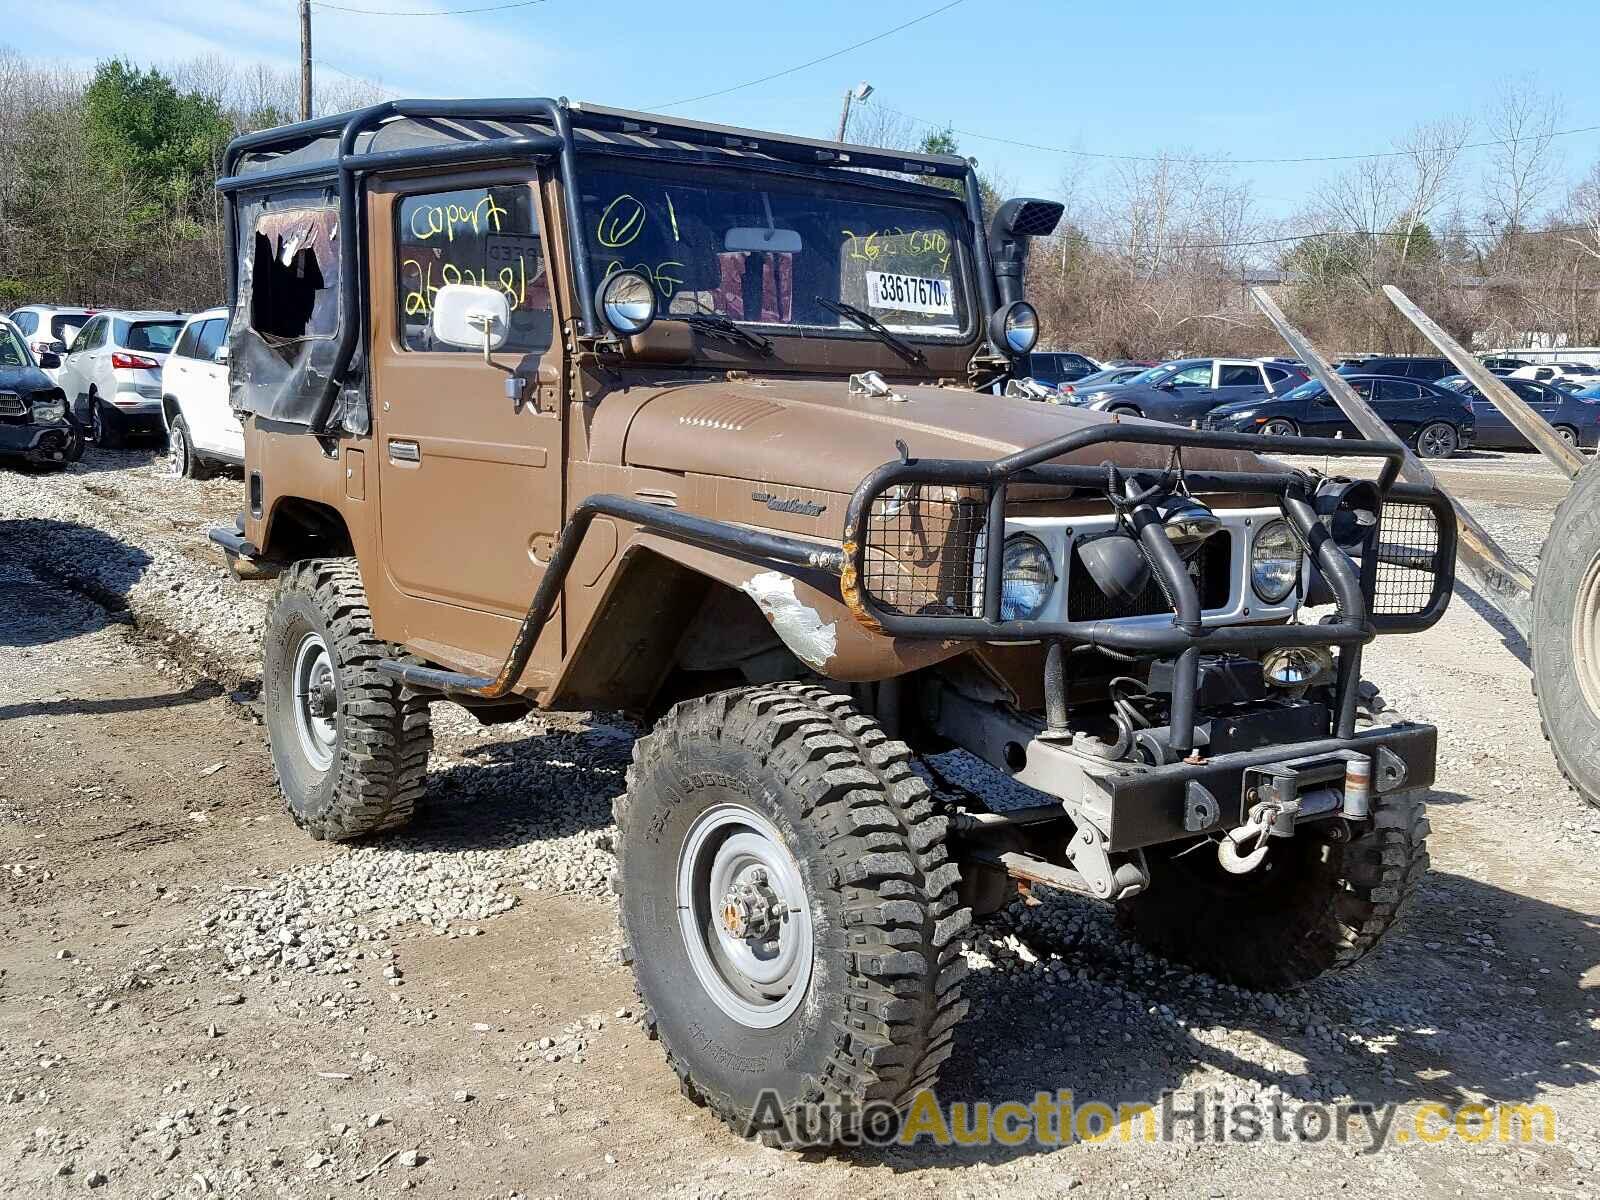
(349, 169)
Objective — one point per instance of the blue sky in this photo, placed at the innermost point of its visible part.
(1246, 80)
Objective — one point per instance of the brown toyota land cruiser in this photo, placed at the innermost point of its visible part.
(549, 405)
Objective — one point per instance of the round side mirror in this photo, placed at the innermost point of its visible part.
(626, 302)
(1015, 328)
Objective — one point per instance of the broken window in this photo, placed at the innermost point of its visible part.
(294, 277)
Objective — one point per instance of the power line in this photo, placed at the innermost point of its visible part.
(446, 12)
(1237, 162)
(877, 37)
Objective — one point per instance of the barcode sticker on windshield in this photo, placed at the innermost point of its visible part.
(909, 293)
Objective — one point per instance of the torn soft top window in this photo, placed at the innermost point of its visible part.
(283, 339)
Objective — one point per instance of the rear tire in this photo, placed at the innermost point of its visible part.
(350, 745)
(1566, 635)
(792, 777)
(1567, 434)
(1311, 907)
(1437, 439)
(105, 426)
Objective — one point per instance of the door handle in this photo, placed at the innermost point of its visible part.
(404, 451)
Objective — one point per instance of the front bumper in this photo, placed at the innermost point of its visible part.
(58, 442)
(1158, 804)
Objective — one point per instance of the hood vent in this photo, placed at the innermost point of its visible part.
(732, 413)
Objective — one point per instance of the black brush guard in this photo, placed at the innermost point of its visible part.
(1355, 587)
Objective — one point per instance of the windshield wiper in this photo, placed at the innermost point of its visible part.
(876, 328)
(716, 325)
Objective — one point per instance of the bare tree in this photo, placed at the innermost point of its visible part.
(1522, 165)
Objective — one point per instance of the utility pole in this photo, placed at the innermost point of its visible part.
(305, 60)
(860, 92)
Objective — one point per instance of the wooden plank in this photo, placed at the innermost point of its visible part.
(1493, 572)
(1529, 423)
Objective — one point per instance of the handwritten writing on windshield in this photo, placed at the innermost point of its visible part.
(929, 245)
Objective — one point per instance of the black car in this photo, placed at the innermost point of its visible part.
(1056, 367)
(33, 411)
(1576, 417)
(1436, 420)
(1186, 389)
(1401, 366)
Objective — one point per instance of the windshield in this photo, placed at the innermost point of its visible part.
(12, 352)
(155, 336)
(1308, 390)
(773, 250)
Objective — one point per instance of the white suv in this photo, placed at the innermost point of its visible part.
(112, 373)
(50, 329)
(202, 430)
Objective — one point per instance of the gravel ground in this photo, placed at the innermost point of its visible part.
(200, 1001)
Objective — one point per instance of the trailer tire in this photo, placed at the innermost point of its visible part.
(852, 851)
(1565, 645)
(1312, 907)
(349, 745)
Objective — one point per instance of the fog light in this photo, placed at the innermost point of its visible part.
(1117, 565)
(1187, 522)
(1296, 666)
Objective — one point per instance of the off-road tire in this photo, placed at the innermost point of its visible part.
(1569, 721)
(380, 755)
(884, 991)
(1312, 907)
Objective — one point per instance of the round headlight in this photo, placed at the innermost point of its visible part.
(1296, 666)
(1274, 562)
(1026, 579)
(1015, 328)
(627, 302)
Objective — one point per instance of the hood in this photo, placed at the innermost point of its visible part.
(24, 379)
(1237, 408)
(813, 434)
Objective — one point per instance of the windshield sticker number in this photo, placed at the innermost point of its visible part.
(909, 293)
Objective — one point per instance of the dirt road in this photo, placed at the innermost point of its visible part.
(197, 1000)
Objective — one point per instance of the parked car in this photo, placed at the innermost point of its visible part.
(33, 411)
(202, 430)
(1187, 389)
(49, 329)
(1403, 366)
(1435, 420)
(1056, 367)
(1105, 378)
(1561, 375)
(1575, 416)
(1501, 365)
(112, 373)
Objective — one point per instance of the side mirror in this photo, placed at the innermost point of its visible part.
(467, 315)
(57, 348)
(1166, 385)
(49, 360)
(222, 355)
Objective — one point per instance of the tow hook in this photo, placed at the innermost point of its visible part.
(1241, 849)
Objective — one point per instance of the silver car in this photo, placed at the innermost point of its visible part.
(112, 373)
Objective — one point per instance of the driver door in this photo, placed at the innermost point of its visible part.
(469, 481)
